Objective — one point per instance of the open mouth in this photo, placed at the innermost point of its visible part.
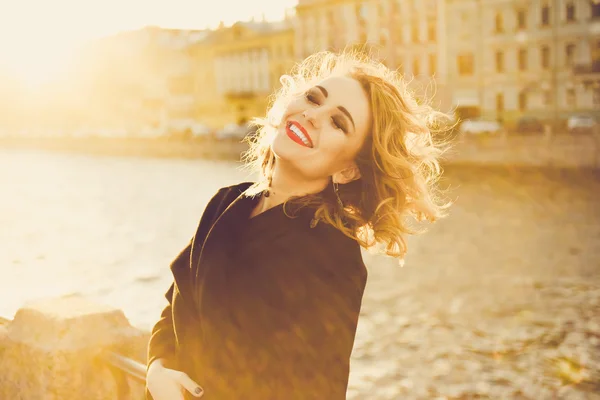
(298, 134)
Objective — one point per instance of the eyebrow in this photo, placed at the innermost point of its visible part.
(342, 109)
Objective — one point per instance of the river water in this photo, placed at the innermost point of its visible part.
(103, 227)
(108, 227)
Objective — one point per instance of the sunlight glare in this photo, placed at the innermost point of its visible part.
(34, 69)
(38, 39)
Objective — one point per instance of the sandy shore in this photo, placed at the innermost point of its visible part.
(499, 301)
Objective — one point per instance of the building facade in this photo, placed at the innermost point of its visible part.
(406, 35)
(169, 80)
(502, 59)
(515, 58)
(237, 68)
(138, 79)
(403, 34)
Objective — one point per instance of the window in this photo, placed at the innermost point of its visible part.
(522, 59)
(521, 19)
(361, 16)
(331, 17)
(466, 64)
(362, 36)
(570, 98)
(499, 23)
(432, 64)
(416, 67)
(396, 34)
(394, 10)
(361, 12)
(547, 98)
(318, 33)
(545, 15)
(383, 36)
(522, 101)
(545, 57)
(499, 61)
(569, 54)
(595, 6)
(332, 32)
(431, 32)
(500, 102)
(415, 33)
(380, 12)
(570, 12)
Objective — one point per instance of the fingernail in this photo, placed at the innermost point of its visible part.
(198, 390)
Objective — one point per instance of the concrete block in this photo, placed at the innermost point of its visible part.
(50, 350)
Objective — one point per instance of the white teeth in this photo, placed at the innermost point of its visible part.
(299, 133)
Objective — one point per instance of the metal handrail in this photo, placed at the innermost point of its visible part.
(127, 365)
(121, 368)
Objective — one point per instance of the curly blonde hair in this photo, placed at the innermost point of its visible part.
(398, 163)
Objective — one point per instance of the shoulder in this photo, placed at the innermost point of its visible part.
(218, 204)
(225, 196)
(232, 191)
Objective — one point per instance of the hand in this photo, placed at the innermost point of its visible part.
(168, 384)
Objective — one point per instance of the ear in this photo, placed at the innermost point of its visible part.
(347, 175)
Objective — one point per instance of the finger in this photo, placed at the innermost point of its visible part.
(189, 385)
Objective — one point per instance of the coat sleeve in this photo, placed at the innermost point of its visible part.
(162, 338)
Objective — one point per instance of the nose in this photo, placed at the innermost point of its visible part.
(312, 116)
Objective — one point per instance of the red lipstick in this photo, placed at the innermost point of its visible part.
(298, 134)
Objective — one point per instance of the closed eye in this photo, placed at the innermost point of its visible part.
(311, 98)
(338, 123)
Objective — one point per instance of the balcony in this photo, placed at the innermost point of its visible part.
(587, 69)
(233, 95)
(305, 5)
(588, 74)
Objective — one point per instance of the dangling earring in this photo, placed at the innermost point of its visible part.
(336, 189)
(268, 191)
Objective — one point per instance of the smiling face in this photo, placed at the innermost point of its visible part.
(323, 129)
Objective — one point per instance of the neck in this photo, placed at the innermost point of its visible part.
(285, 184)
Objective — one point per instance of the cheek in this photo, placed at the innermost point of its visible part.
(332, 151)
(336, 151)
(295, 106)
(332, 144)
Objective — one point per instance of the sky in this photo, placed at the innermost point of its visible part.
(39, 36)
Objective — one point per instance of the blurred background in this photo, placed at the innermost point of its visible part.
(113, 69)
(120, 119)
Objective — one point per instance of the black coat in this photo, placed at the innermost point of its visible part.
(263, 307)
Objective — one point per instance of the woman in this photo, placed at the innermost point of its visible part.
(266, 297)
